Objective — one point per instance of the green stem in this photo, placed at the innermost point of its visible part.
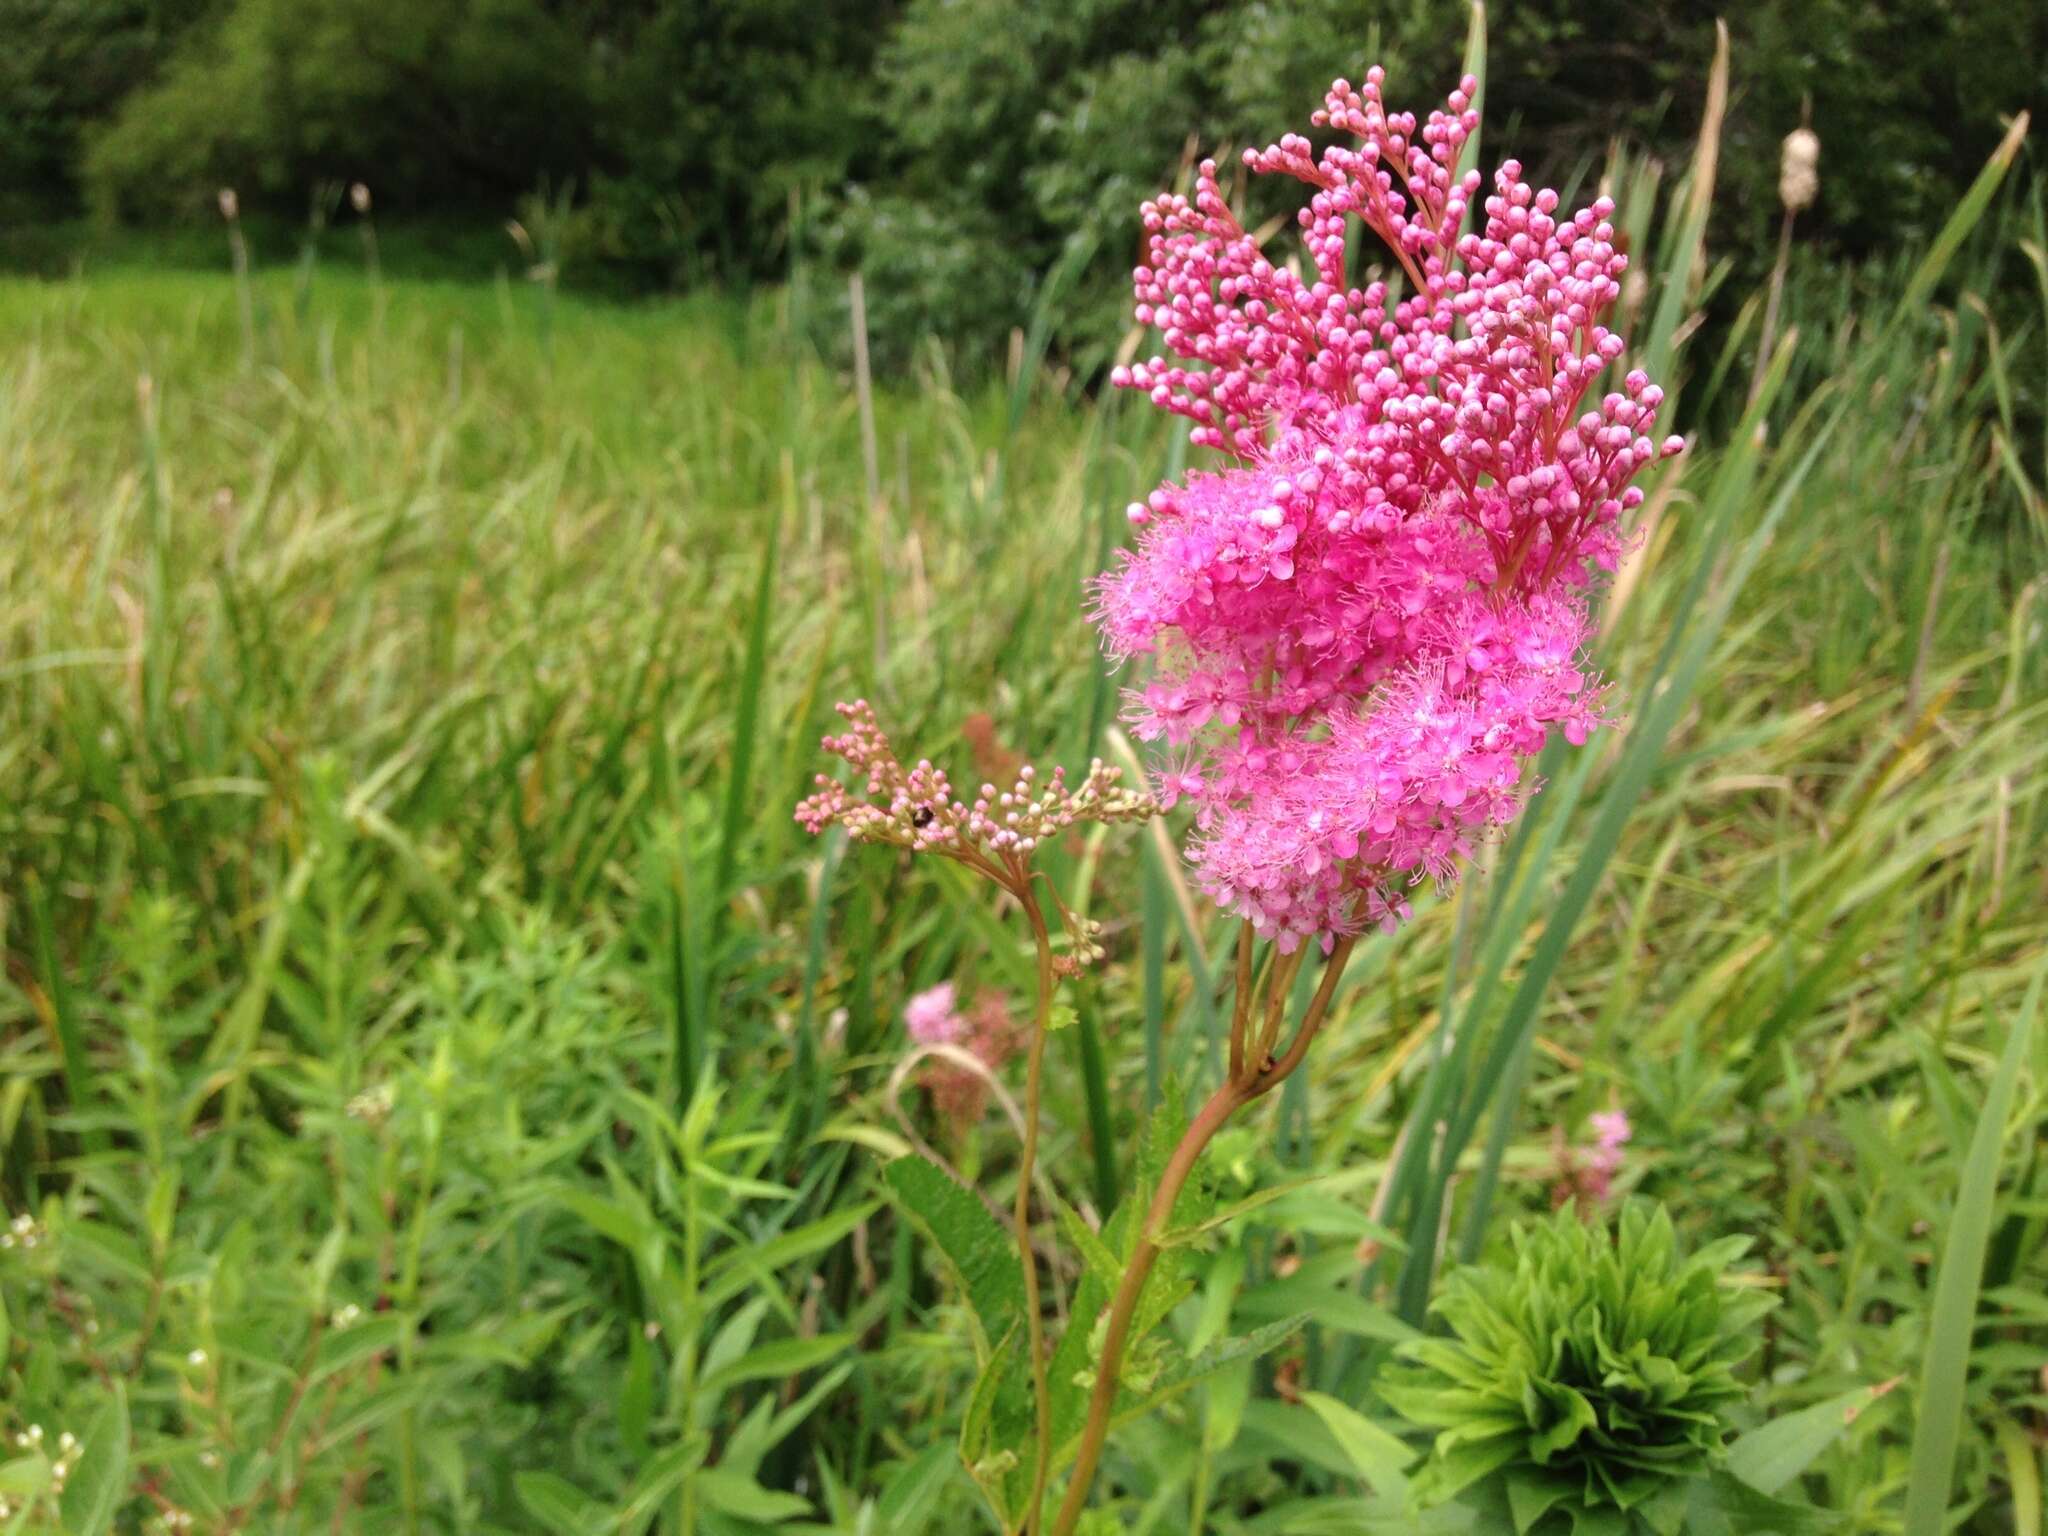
(686, 1372)
(1027, 1263)
(1257, 1079)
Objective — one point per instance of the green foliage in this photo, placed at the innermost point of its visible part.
(687, 129)
(956, 151)
(1596, 1372)
(66, 63)
(379, 838)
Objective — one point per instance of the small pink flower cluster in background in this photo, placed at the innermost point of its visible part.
(986, 1031)
(1588, 1178)
(1367, 623)
(1611, 1132)
(932, 1017)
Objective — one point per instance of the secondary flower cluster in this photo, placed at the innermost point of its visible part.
(1371, 619)
(987, 1030)
(916, 808)
(1585, 1176)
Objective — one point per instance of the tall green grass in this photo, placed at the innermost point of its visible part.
(401, 908)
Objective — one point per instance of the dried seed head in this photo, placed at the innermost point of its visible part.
(1799, 170)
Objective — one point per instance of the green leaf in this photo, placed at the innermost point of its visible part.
(636, 1396)
(993, 1464)
(1377, 1456)
(775, 1360)
(343, 1347)
(1599, 1522)
(555, 1502)
(24, 1477)
(2022, 1475)
(1939, 1419)
(1532, 1494)
(906, 1504)
(1770, 1456)
(742, 1497)
(1724, 1505)
(978, 1249)
(610, 1218)
(755, 1263)
(658, 1479)
(1183, 1371)
(99, 1483)
(1332, 1307)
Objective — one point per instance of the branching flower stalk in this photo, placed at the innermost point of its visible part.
(995, 836)
(1252, 1076)
(1360, 629)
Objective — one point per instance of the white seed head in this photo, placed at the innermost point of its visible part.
(1799, 170)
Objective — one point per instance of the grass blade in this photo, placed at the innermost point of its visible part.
(1939, 1412)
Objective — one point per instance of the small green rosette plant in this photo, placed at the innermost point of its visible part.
(1588, 1385)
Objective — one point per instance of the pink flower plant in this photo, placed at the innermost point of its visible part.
(1365, 624)
(1360, 626)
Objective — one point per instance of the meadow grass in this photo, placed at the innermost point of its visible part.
(449, 1088)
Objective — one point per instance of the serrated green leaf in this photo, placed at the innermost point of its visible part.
(988, 1460)
(1181, 1372)
(1181, 1235)
(979, 1251)
(1085, 1240)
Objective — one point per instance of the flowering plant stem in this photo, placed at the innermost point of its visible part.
(1027, 1262)
(1254, 1073)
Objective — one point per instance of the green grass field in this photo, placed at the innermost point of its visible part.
(401, 705)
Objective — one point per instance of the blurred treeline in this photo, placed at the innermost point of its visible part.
(963, 153)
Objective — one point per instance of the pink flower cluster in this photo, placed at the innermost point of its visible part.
(932, 1017)
(1366, 623)
(1589, 1180)
(1611, 1132)
(987, 1031)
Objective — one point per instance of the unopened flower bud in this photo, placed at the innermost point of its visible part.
(230, 205)
(359, 197)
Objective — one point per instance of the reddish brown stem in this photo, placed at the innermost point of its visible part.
(1256, 1080)
(1027, 1261)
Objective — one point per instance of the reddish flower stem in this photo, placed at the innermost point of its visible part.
(1027, 1260)
(1240, 1089)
